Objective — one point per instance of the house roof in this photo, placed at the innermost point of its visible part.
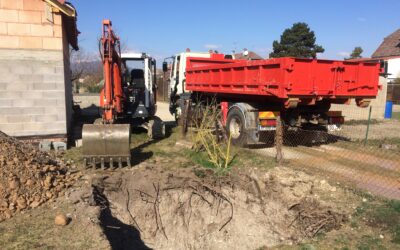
(389, 47)
(251, 56)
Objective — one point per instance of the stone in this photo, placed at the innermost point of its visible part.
(35, 204)
(61, 220)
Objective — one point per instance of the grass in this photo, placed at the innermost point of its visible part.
(396, 116)
(385, 214)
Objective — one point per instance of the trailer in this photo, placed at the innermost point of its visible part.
(252, 94)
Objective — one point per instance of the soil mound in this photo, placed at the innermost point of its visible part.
(179, 210)
(28, 177)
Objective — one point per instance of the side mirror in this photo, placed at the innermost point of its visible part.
(165, 66)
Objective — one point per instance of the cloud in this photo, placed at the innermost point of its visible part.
(212, 46)
(361, 19)
(344, 54)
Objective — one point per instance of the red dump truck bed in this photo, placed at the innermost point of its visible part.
(284, 77)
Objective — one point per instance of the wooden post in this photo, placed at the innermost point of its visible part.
(279, 140)
(185, 117)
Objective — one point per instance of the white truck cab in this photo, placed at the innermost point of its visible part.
(176, 82)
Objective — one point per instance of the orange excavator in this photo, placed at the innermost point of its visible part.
(127, 98)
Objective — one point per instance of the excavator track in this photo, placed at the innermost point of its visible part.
(106, 145)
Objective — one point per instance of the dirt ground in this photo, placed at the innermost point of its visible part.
(172, 198)
(374, 167)
(169, 199)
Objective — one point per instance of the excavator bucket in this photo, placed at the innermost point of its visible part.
(106, 143)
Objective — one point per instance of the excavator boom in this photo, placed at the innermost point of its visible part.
(106, 141)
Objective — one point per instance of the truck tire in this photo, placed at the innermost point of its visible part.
(156, 128)
(235, 127)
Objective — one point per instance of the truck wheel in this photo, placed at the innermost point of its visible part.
(156, 128)
(235, 126)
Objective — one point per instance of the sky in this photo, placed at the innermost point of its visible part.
(163, 28)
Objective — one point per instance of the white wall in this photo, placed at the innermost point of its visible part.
(394, 68)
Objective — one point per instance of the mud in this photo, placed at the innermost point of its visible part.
(150, 207)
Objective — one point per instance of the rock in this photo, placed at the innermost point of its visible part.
(61, 220)
(21, 203)
(14, 184)
(34, 204)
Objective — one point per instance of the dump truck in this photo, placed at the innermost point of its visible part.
(252, 94)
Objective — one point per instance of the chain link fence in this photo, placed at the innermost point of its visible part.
(363, 152)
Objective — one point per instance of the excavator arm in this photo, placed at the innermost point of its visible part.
(108, 142)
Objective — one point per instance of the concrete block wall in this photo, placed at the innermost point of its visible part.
(32, 93)
(35, 91)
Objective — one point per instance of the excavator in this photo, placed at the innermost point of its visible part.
(128, 99)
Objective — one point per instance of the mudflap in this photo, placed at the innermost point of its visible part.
(106, 144)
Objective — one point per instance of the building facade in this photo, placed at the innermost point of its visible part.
(35, 89)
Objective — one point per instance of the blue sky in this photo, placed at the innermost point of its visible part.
(163, 28)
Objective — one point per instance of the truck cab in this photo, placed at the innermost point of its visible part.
(177, 77)
(139, 81)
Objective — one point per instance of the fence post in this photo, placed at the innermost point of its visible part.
(279, 140)
(185, 117)
(369, 122)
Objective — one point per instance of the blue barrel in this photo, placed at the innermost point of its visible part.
(388, 110)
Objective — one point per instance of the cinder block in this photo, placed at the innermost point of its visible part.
(3, 85)
(46, 118)
(3, 28)
(42, 30)
(11, 4)
(52, 43)
(44, 70)
(8, 15)
(11, 128)
(16, 86)
(25, 16)
(59, 146)
(6, 103)
(10, 94)
(34, 94)
(23, 103)
(28, 42)
(33, 111)
(31, 78)
(18, 29)
(21, 67)
(34, 126)
(45, 103)
(53, 78)
(57, 94)
(33, 5)
(9, 42)
(10, 111)
(44, 86)
(19, 118)
(58, 126)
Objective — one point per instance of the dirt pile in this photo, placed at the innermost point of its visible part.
(28, 177)
(165, 209)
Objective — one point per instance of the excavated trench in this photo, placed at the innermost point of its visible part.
(160, 209)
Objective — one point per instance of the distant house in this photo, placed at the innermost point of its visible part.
(35, 89)
(389, 55)
(250, 56)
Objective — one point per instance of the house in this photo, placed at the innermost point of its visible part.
(35, 90)
(389, 55)
(247, 55)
